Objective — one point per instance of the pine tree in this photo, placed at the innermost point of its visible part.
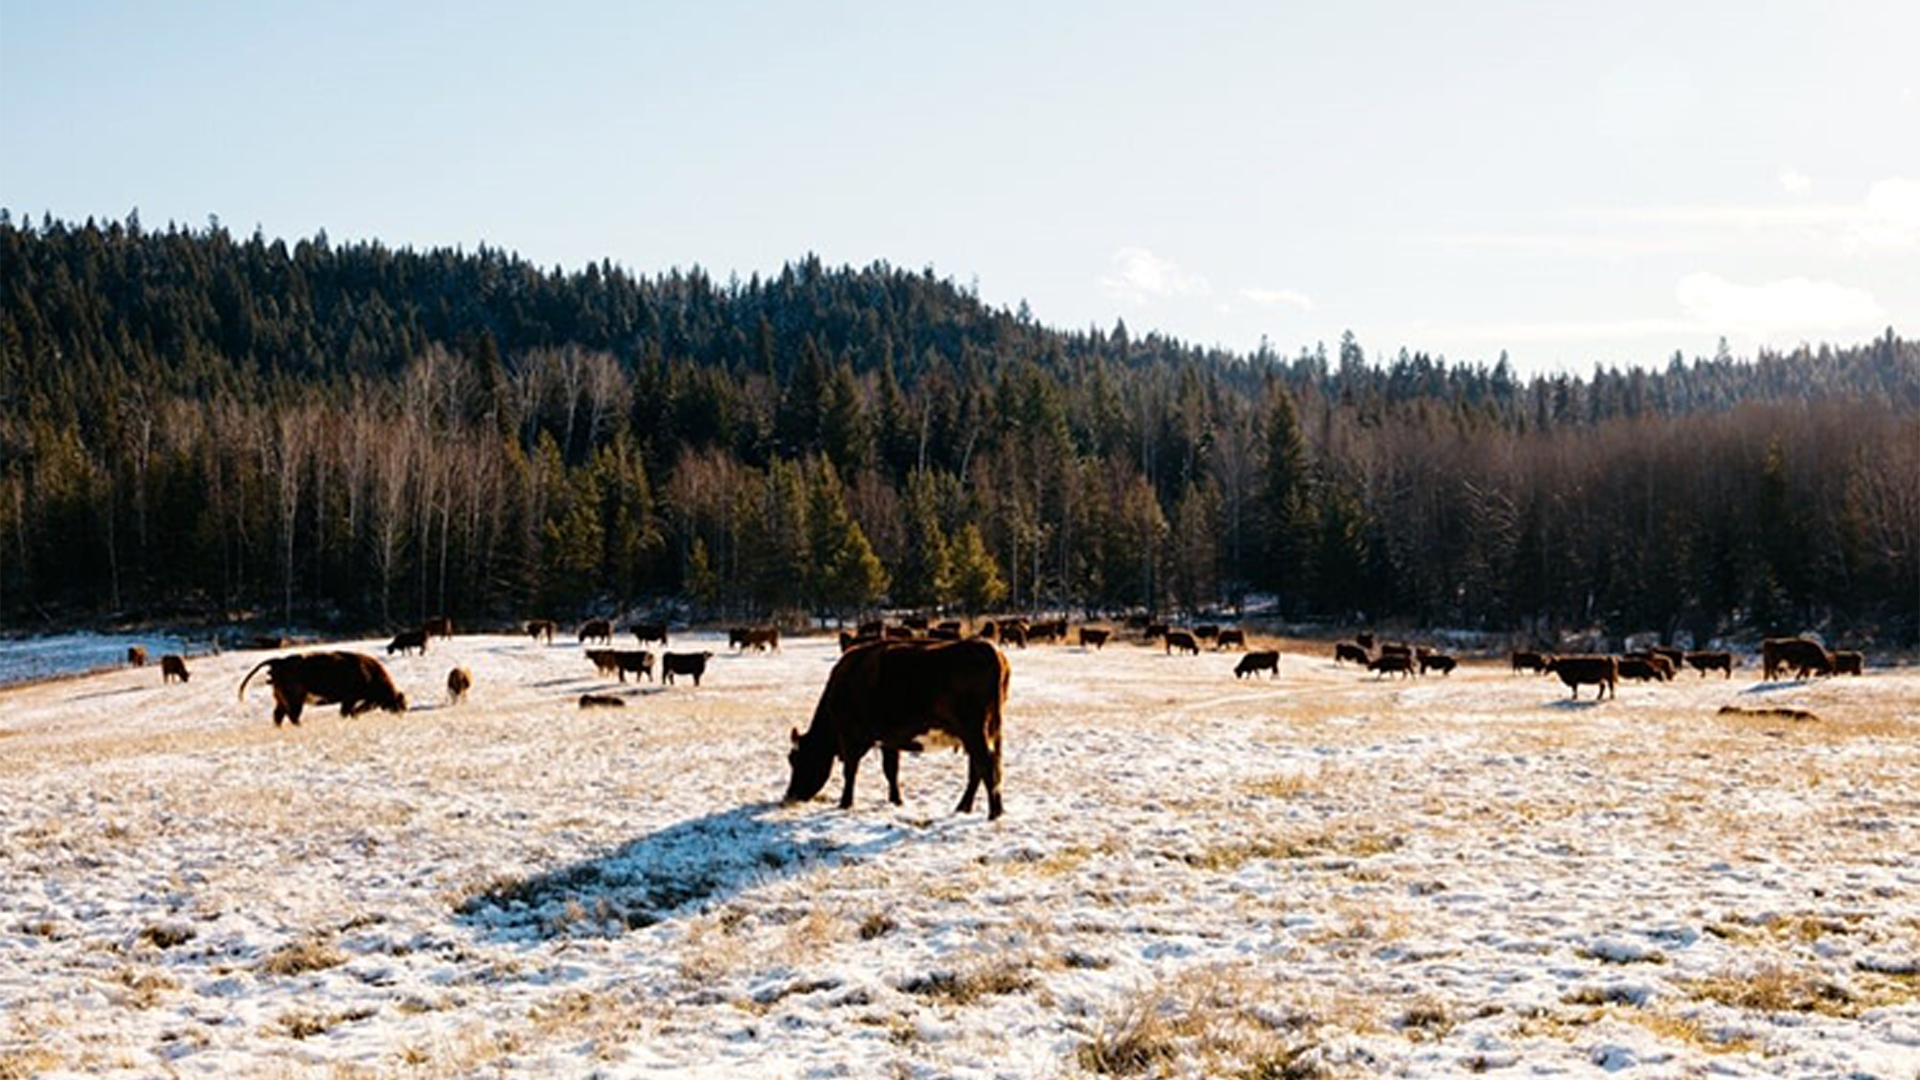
(847, 575)
(977, 583)
(702, 583)
(1287, 502)
(925, 575)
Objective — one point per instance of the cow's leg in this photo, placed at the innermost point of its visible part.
(850, 762)
(890, 764)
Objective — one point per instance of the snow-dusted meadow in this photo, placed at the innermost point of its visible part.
(1320, 875)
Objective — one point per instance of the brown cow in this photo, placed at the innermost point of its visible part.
(1230, 637)
(136, 656)
(601, 701)
(538, 629)
(1676, 658)
(1014, 633)
(1436, 661)
(943, 632)
(1799, 654)
(1255, 662)
(459, 681)
(1093, 637)
(1537, 662)
(1180, 639)
(1364, 639)
(1639, 668)
(646, 632)
(1602, 671)
(762, 639)
(600, 630)
(1347, 650)
(1704, 662)
(900, 695)
(1848, 662)
(605, 661)
(408, 639)
(1206, 632)
(687, 663)
(438, 626)
(1155, 631)
(1048, 630)
(1395, 648)
(173, 666)
(355, 680)
(638, 661)
(1401, 663)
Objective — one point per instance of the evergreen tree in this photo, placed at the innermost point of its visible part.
(1287, 503)
(847, 575)
(925, 578)
(977, 583)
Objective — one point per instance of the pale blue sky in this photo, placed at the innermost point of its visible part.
(1574, 183)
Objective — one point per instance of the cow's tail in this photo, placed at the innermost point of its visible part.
(242, 694)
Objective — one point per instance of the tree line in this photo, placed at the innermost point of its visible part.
(196, 425)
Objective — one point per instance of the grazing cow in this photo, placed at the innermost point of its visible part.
(1231, 637)
(684, 663)
(902, 696)
(408, 639)
(1014, 633)
(1364, 639)
(173, 666)
(1395, 648)
(1180, 639)
(1347, 650)
(600, 630)
(1437, 661)
(638, 661)
(459, 681)
(1400, 663)
(605, 661)
(1798, 654)
(650, 632)
(1536, 662)
(1704, 662)
(538, 629)
(601, 701)
(1093, 637)
(1255, 662)
(1049, 630)
(136, 656)
(1676, 658)
(1155, 631)
(355, 680)
(762, 638)
(1848, 662)
(438, 626)
(1206, 632)
(1602, 671)
(1638, 668)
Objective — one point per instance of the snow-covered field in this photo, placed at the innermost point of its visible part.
(1320, 875)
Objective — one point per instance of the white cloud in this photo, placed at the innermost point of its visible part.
(1778, 311)
(1141, 276)
(1892, 217)
(1277, 297)
(1793, 181)
(1587, 245)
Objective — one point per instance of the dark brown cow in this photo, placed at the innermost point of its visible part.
(646, 632)
(1231, 637)
(1676, 658)
(943, 632)
(173, 666)
(737, 636)
(438, 626)
(1395, 648)
(601, 701)
(459, 681)
(898, 633)
(1155, 631)
(1093, 637)
(1436, 661)
(1800, 655)
(600, 630)
(638, 661)
(1639, 669)
(1014, 633)
(136, 656)
(1256, 662)
(1180, 639)
(762, 639)
(1206, 631)
(1536, 662)
(901, 696)
(1704, 662)
(408, 639)
(1048, 630)
(1849, 662)
(355, 680)
(684, 663)
(1392, 663)
(1364, 639)
(605, 661)
(541, 628)
(1347, 650)
(1602, 671)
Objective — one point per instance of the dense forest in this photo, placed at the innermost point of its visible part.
(194, 425)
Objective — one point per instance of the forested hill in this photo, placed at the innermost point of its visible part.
(191, 423)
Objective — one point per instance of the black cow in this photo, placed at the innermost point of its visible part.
(1093, 637)
(1255, 662)
(408, 639)
(1230, 637)
(1536, 662)
(1798, 654)
(600, 630)
(357, 681)
(1704, 662)
(684, 663)
(1347, 650)
(1439, 662)
(1180, 639)
(1849, 662)
(646, 632)
(1602, 671)
(1400, 663)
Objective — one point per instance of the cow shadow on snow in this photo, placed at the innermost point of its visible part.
(679, 868)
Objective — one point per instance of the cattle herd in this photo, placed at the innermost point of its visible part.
(910, 684)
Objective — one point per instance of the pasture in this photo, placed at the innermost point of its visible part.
(1324, 874)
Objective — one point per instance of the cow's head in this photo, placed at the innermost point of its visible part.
(812, 762)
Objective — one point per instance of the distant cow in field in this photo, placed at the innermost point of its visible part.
(1048, 630)
(1779, 655)
(1206, 632)
(459, 681)
(1014, 633)
(356, 681)
(762, 639)
(1180, 639)
(136, 656)
(173, 667)
(1440, 662)
(1676, 658)
(638, 661)
(1364, 639)
(1639, 669)
(1155, 631)
(1526, 660)
(1395, 648)
(1602, 671)
(903, 696)
(1093, 637)
(1347, 650)
(646, 632)
(601, 701)
(1255, 662)
(438, 626)
(677, 663)
(406, 640)
(539, 629)
(600, 630)
(1849, 662)
(1704, 662)
(1392, 663)
(1230, 637)
(605, 661)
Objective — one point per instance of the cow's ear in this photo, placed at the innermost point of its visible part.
(796, 736)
